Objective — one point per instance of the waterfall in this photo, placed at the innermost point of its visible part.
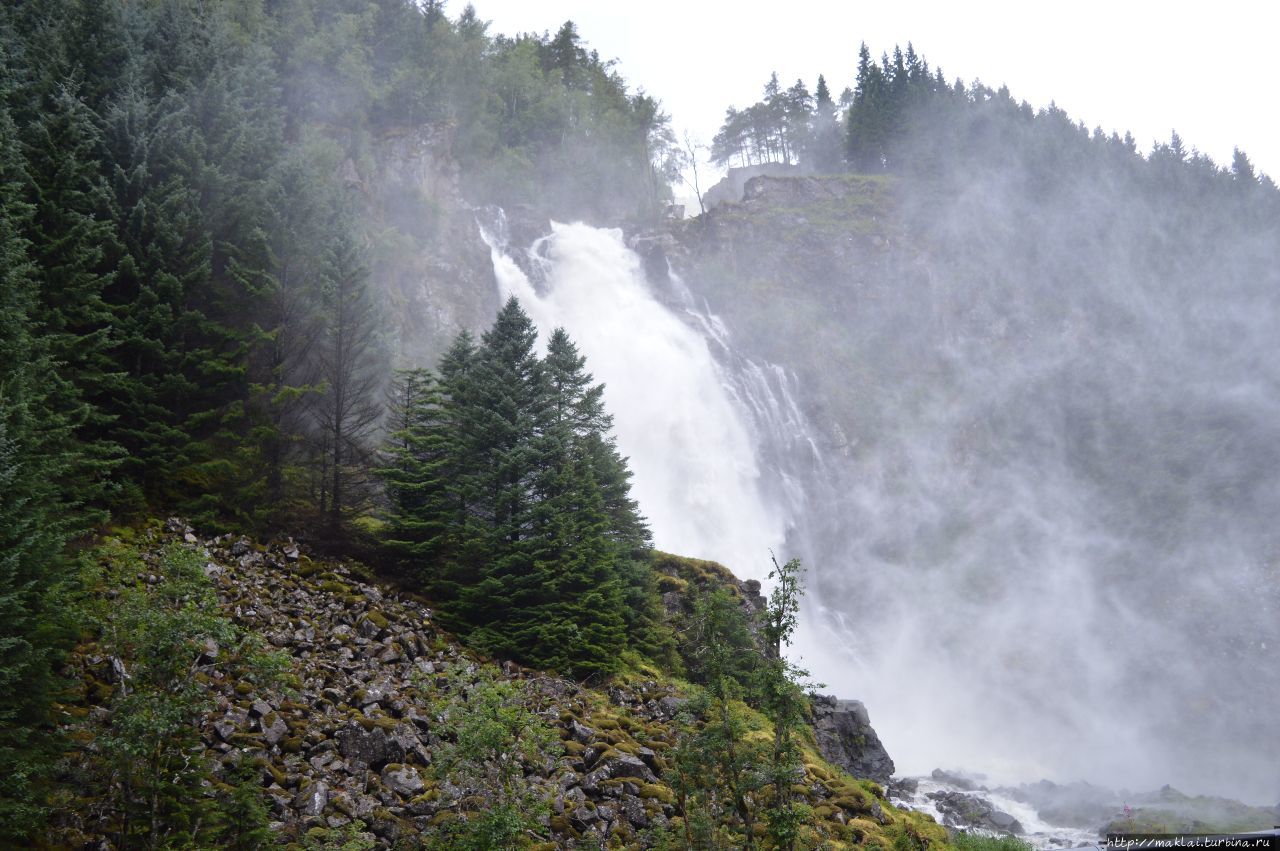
(1003, 651)
(683, 414)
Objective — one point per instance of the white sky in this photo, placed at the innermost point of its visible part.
(1206, 70)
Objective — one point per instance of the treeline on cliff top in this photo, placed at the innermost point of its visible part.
(899, 116)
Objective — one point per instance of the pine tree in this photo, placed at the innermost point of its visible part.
(74, 248)
(37, 516)
(415, 473)
(348, 358)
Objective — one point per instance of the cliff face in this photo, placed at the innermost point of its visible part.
(432, 269)
(793, 268)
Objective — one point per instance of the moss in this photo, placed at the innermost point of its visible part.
(658, 792)
(377, 619)
(306, 568)
(333, 586)
(667, 584)
(387, 724)
(852, 803)
(292, 744)
(573, 748)
(243, 688)
(277, 775)
(560, 824)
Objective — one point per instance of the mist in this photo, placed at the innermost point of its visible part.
(1044, 541)
(1021, 425)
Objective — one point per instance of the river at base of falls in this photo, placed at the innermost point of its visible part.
(923, 793)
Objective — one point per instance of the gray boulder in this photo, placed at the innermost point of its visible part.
(846, 738)
(961, 809)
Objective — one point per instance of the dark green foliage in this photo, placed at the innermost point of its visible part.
(188, 225)
(782, 690)
(188, 325)
(416, 470)
(38, 511)
(510, 500)
(718, 769)
(724, 775)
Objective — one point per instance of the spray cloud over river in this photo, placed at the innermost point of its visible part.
(1030, 637)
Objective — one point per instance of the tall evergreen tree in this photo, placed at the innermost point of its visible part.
(74, 248)
(498, 424)
(418, 459)
(37, 513)
(346, 411)
(826, 153)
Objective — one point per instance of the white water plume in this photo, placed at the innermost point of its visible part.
(697, 472)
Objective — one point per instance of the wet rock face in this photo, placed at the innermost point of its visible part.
(846, 738)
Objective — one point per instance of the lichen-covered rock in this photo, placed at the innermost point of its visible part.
(612, 768)
(371, 748)
(402, 779)
(312, 799)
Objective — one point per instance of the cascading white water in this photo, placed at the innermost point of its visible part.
(726, 468)
(677, 416)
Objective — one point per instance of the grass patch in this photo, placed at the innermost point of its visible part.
(977, 842)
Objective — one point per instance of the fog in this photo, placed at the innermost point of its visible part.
(1048, 548)
(1053, 550)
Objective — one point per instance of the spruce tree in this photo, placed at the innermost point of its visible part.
(37, 515)
(74, 248)
(348, 361)
(497, 427)
(418, 456)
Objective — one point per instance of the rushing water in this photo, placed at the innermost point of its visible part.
(687, 423)
(726, 467)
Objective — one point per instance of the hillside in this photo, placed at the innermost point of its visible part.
(346, 735)
(1001, 393)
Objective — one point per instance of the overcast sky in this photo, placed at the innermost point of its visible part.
(1206, 70)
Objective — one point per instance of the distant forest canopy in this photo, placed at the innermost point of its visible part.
(902, 117)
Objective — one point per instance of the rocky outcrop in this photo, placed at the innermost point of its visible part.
(730, 189)
(846, 738)
(963, 810)
(433, 270)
